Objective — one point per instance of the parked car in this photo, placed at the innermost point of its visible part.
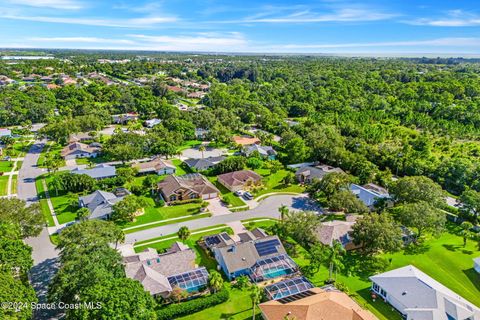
(247, 195)
(238, 193)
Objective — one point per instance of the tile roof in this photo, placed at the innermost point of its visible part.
(77, 146)
(327, 232)
(239, 178)
(245, 141)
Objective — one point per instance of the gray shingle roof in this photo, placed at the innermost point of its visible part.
(205, 163)
(99, 203)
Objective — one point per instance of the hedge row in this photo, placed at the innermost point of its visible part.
(174, 311)
(180, 202)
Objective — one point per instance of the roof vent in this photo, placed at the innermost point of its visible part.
(404, 293)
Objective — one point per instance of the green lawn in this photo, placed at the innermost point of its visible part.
(64, 204)
(154, 213)
(251, 224)
(19, 165)
(182, 168)
(93, 161)
(43, 202)
(189, 144)
(14, 184)
(273, 183)
(52, 148)
(6, 166)
(444, 259)
(186, 218)
(227, 195)
(3, 185)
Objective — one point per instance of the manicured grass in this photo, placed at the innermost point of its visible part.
(154, 213)
(227, 195)
(203, 258)
(189, 144)
(444, 259)
(3, 185)
(238, 307)
(64, 204)
(182, 168)
(254, 223)
(187, 218)
(93, 161)
(14, 184)
(43, 202)
(19, 165)
(52, 148)
(273, 183)
(6, 166)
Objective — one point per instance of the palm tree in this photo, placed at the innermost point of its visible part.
(466, 231)
(215, 281)
(202, 149)
(283, 211)
(183, 233)
(56, 184)
(255, 295)
(334, 257)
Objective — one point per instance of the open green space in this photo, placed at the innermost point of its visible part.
(3, 185)
(182, 168)
(6, 166)
(272, 182)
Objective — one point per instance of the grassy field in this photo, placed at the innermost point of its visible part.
(227, 195)
(6, 166)
(3, 185)
(273, 183)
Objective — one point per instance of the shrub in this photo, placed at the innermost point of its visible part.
(174, 311)
(179, 202)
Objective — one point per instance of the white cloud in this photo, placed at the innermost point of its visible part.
(125, 23)
(55, 4)
(453, 18)
(81, 40)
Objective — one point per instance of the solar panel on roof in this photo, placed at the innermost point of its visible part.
(213, 240)
(267, 247)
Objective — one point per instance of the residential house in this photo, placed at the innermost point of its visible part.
(476, 264)
(124, 118)
(204, 163)
(175, 89)
(155, 165)
(266, 152)
(223, 239)
(300, 301)
(337, 230)
(238, 180)
(369, 193)
(417, 296)
(79, 137)
(186, 187)
(260, 258)
(160, 273)
(245, 140)
(100, 203)
(308, 174)
(5, 132)
(196, 95)
(201, 133)
(79, 150)
(152, 122)
(101, 171)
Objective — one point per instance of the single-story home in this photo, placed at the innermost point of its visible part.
(152, 122)
(124, 118)
(156, 165)
(79, 137)
(80, 150)
(5, 132)
(301, 301)
(266, 152)
(201, 133)
(308, 174)
(101, 171)
(417, 296)
(261, 259)
(369, 193)
(100, 203)
(186, 187)
(160, 273)
(337, 230)
(245, 140)
(238, 180)
(476, 264)
(203, 164)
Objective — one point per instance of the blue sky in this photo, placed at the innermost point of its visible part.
(330, 26)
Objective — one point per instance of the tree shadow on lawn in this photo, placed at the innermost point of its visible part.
(452, 247)
(228, 316)
(473, 276)
(364, 266)
(414, 249)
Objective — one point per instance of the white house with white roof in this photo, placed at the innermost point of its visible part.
(418, 297)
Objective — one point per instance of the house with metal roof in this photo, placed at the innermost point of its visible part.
(160, 273)
(419, 297)
(101, 171)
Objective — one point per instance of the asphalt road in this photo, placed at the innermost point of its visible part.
(266, 208)
(44, 254)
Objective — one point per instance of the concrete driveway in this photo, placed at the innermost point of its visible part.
(267, 208)
(217, 207)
